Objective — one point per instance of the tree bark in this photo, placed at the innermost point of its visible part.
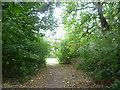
(103, 21)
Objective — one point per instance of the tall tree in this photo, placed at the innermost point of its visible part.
(103, 21)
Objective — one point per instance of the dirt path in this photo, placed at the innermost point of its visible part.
(59, 76)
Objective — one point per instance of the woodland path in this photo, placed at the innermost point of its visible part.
(59, 76)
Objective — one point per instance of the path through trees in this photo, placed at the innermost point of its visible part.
(58, 76)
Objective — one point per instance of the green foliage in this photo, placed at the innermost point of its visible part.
(115, 85)
(64, 52)
(23, 47)
(98, 51)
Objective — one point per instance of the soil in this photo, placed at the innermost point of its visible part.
(58, 76)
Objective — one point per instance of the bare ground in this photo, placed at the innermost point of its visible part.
(58, 76)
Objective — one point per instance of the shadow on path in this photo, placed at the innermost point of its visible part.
(56, 75)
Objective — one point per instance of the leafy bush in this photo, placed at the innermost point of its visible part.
(24, 48)
(97, 47)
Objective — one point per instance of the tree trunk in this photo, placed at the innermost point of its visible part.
(103, 21)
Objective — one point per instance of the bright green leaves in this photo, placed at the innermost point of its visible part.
(98, 51)
(24, 48)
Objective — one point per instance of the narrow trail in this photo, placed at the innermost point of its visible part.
(59, 76)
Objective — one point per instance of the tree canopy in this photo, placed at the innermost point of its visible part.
(93, 36)
(24, 48)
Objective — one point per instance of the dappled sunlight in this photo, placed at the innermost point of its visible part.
(52, 61)
(60, 45)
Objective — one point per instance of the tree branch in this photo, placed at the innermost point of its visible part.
(79, 9)
(84, 34)
(103, 21)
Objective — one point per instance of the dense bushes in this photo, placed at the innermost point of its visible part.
(24, 57)
(97, 47)
(101, 60)
(23, 46)
(67, 50)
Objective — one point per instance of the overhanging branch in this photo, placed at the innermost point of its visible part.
(84, 34)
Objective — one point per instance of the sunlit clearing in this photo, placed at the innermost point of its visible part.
(52, 61)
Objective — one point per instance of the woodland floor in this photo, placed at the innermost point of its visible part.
(58, 76)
